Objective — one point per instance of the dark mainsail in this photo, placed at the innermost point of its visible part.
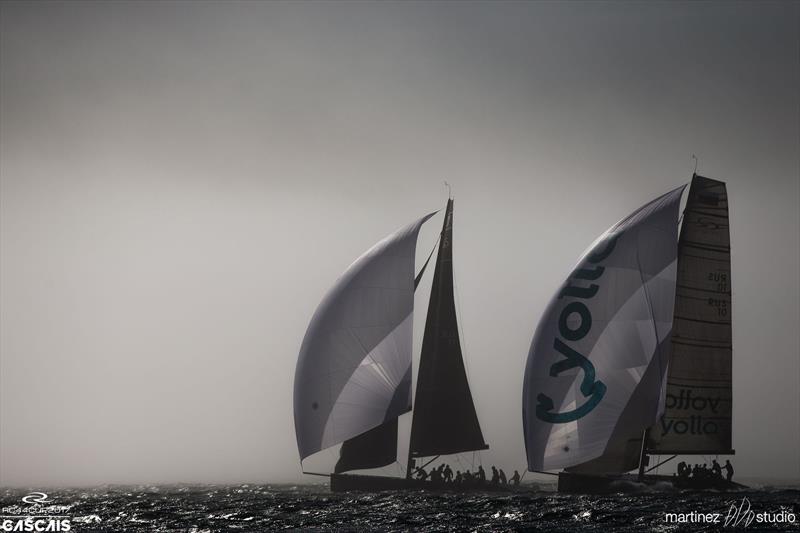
(697, 417)
(444, 419)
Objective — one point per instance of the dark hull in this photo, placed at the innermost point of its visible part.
(599, 484)
(355, 482)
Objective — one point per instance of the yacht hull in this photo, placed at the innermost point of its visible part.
(572, 483)
(355, 482)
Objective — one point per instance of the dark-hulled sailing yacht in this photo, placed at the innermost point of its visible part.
(353, 376)
(632, 357)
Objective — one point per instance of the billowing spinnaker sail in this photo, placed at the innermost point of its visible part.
(597, 340)
(698, 402)
(354, 368)
(378, 446)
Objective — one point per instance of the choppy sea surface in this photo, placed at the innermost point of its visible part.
(209, 508)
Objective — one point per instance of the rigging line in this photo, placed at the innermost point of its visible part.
(316, 474)
(660, 463)
(463, 340)
(545, 473)
(402, 469)
(429, 462)
(646, 433)
(422, 271)
(655, 332)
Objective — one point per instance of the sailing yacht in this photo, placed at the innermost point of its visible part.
(632, 357)
(353, 375)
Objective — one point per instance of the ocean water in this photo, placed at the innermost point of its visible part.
(209, 508)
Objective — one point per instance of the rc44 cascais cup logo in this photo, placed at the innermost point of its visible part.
(36, 497)
(37, 513)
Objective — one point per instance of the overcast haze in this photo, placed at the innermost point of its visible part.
(180, 183)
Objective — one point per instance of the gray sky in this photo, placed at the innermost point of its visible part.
(181, 183)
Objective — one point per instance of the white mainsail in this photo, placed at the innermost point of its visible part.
(354, 368)
(596, 367)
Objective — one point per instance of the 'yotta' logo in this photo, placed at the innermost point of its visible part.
(590, 388)
(701, 417)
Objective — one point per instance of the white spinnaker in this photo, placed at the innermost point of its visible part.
(354, 368)
(598, 337)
